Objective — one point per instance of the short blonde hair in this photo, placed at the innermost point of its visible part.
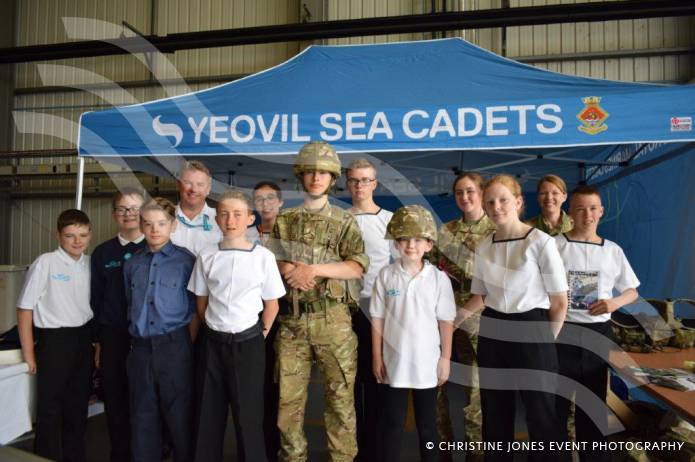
(195, 166)
(554, 180)
(510, 183)
(237, 194)
(360, 163)
(161, 204)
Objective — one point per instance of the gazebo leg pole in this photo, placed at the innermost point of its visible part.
(80, 183)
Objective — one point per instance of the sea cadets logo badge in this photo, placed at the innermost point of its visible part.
(592, 116)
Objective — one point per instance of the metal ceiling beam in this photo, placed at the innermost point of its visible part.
(445, 21)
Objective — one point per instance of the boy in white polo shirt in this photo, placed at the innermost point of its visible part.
(55, 300)
(234, 282)
(595, 268)
(413, 309)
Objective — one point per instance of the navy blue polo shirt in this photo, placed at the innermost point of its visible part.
(107, 292)
(156, 290)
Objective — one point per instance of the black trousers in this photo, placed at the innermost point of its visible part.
(393, 411)
(580, 361)
(160, 379)
(115, 346)
(64, 359)
(232, 372)
(534, 351)
(271, 393)
(366, 391)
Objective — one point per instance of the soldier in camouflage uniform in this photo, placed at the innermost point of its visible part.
(552, 193)
(321, 257)
(454, 255)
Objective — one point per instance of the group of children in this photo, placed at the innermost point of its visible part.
(150, 297)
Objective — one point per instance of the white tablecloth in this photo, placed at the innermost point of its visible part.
(15, 401)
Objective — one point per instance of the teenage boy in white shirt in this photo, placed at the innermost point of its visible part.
(413, 309)
(233, 283)
(361, 182)
(596, 267)
(55, 300)
(196, 228)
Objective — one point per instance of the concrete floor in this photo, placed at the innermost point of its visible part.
(98, 441)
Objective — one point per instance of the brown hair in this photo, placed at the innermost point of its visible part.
(554, 180)
(475, 177)
(127, 191)
(237, 194)
(161, 204)
(268, 184)
(72, 217)
(585, 190)
(508, 182)
(194, 165)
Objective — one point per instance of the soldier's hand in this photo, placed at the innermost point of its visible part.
(443, 370)
(302, 277)
(379, 369)
(603, 306)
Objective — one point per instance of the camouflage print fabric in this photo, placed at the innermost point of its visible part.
(454, 255)
(411, 221)
(329, 338)
(327, 235)
(539, 222)
(317, 155)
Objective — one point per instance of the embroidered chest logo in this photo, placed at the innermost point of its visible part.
(393, 292)
(60, 277)
(113, 264)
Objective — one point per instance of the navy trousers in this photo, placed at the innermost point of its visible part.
(160, 377)
(115, 346)
(64, 358)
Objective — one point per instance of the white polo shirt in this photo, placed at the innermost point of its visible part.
(593, 271)
(236, 282)
(56, 288)
(196, 234)
(516, 275)
(379, 250)
(411, 308)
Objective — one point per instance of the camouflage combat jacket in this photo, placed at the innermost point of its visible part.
(455, 252)
(539, 223)
(329, 235)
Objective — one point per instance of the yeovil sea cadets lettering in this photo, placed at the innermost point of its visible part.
(461, 122)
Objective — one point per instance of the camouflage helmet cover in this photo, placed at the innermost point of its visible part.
(412, 221)
(317, 156)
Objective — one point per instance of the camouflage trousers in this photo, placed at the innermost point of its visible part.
(327, 337)
(465, 345)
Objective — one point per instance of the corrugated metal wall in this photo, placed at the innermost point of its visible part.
(41, 21)
(34, 220)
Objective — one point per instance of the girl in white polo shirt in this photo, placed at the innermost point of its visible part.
(519, 278)
(595, 268)
(234, 282)
(412, 309)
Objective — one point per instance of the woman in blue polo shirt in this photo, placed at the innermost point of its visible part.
(162, 324)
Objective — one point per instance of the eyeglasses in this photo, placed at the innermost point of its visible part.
(362, 181)
(268, 198)
(126, 210)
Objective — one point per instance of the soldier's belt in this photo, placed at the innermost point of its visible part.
(304, 307)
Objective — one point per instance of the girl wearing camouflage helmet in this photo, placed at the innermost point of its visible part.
(412, 309)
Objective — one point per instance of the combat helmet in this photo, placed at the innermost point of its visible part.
(412, 221)
(317, 155)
